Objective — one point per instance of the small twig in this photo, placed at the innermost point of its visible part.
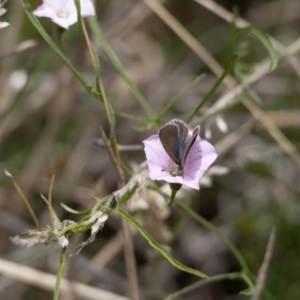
(99, 143)
(108, 251)
(185, 35)
(130, 261)
(18, 48)
(262, 273)
(110, 152)
(51, 212)
(47, 281)
(110, 117)
(24, 199)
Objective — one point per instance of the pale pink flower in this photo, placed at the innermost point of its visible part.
(161, 167)
(63, 12)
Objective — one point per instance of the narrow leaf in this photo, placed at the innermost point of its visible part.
(160, 248)
(127, 196)
(213, 89)
(118, 65)
(75, 212)
(263, 38)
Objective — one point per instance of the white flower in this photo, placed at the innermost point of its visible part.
(63, 12)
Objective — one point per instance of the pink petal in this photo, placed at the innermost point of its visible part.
(156, 153)
(200, 157)
(45, 11)
(87, 8)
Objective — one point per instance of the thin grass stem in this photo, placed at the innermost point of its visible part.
(60, 273)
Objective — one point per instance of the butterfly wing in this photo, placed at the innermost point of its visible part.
(172, 136)
(189, 142)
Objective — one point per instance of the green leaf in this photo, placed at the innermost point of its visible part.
(160, 248)
(263, 38)
(248, 90)
(118, 65)
(112, 131)
(75, 212)
(228, 69)
(127, 196)
(36, 23)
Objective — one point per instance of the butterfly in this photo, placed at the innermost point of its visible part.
(177, 142)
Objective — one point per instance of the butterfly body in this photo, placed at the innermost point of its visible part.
(177, 142)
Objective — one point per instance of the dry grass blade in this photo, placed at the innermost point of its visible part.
(262, 273)
(241, 23)
(128, 245)
(256, 111)
(185, 36)
(47, 281)
(130, 261)
(109, 251)
(112, 157)
(19, 48)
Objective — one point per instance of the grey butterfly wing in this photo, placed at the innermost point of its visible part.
(172, 136)
(183, 135)
(189, 144)
(169, 136)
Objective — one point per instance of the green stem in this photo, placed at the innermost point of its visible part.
(175, 187)
(212, 228)
(250, 289)
(59, 33)
(182, 219)
(199, 284)
(172, 198)
(93, 54)
(213, 89)
(119, 67)
(171, 103)
(159, 247)
(59, 273)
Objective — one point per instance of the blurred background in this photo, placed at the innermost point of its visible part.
(49, 123)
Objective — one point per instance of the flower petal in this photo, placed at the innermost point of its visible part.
(201, 155)
(45, 11)
(53, 8)
(156, 153)
(87, 8)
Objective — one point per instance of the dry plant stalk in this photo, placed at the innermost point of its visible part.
(262, 273)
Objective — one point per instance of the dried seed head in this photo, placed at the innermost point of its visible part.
(113, 202)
